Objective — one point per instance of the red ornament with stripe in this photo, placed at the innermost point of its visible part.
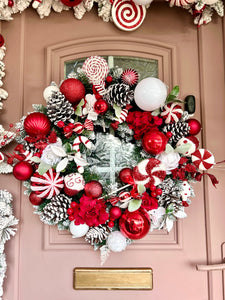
(149, 172)
(203, 159)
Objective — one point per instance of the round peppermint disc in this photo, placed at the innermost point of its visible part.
(96, 69)
(203, 159)
(127, 15)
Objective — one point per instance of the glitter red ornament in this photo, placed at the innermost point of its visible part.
(154, 142)
(135, 225)
(195, 126)
(93, 189)
(115, 213)
(126, 175)
(101, 106)
(37, 124)
(34, 199)
(73, 89)
(71, 3)
(23, 170)
(2, 41)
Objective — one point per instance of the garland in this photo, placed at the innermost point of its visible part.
(110, 158)
(112, 10)
(7, 220)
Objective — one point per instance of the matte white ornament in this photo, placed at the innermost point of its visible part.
(150, 94)
(116, 241)
(142, 2)
(78, 230)
(49, 90)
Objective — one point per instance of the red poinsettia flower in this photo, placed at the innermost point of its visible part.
(90, 211)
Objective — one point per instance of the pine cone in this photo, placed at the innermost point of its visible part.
(56, 210)
(97, 235)
(119, 94)
(170, 193)
(58, 108)
(179, 130)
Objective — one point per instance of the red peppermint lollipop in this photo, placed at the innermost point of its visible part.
(96, 69)
(149, 172)
(203, 159)
(130, 77)
(47, 185)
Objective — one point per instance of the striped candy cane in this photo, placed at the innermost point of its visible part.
(122, 118)
(76, 146)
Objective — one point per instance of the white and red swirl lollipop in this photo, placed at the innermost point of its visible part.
(127, 15)
(96, 69)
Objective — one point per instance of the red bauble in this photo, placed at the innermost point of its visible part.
(71, 3)
(37, 124)
(23, 170)
(93, 189)
(154, 142)
(126, 175)
(34, 199)
(115, 213)
(101, 106)
(195, 126)
(73, 89)
(10, 3)
(2, 41)
(135, 225)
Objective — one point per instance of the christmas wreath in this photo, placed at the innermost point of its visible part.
(110, 158)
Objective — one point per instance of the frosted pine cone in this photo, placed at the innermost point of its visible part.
(119, 94)
(179, 130)
(56, 210)
(97, 235)
(58, 108)
(170, 193)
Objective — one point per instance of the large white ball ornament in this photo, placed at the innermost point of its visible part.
(142, 2)
(78, 230)
(116, 241)
(49, 90)
(150, 94)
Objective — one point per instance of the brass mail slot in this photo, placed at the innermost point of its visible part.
(113, 279)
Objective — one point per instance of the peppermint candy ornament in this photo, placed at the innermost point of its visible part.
(149, 172)
(130, 77)
(180, 2)
(171, 113)
(127, 15)
(203, 159)
(96, 69)
(47, 185)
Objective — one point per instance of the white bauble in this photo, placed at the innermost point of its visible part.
(142, 2)
(210, 2)
(150, 94)
(116, 241)
(49, 90)
(78, 230)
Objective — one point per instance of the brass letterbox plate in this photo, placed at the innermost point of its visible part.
(113, 279)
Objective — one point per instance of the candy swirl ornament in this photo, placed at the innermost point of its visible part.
(127, 15)
(96, 69)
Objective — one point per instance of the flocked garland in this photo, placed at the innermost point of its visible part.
(7, 220)
(110, 158)
(112, 10)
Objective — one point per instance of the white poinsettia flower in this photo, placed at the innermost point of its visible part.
(53, 153)
(157, 217)
(169, 160)
(89, 107)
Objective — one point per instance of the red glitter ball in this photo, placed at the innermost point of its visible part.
(71, 3)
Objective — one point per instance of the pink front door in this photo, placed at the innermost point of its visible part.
(41, 259)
